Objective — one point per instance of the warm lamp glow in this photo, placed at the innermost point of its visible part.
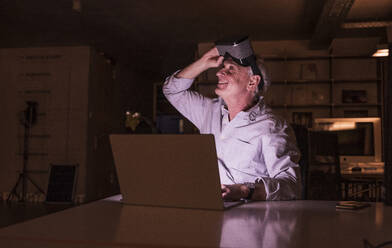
(342, 126)
(336, 126)
(381, 53)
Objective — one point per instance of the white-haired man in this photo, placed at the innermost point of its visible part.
(256, 150)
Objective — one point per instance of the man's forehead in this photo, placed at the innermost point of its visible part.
(229, 61)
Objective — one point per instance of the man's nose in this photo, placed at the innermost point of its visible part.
(221, 73)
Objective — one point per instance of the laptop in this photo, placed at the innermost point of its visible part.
(168, 171)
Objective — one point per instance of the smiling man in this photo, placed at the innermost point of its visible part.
(257, 154)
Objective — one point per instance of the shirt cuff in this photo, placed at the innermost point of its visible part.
(276, 189)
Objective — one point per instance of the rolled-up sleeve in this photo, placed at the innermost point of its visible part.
(189, 103)
(281, 159)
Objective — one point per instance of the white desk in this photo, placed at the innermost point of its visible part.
(108, 223)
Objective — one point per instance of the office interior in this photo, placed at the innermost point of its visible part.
(74, 71)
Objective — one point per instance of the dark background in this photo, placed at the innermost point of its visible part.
(150, 39)
(147, 40)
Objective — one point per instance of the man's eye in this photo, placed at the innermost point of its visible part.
(231, 68)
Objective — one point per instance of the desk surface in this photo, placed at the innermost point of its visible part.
(108, 223)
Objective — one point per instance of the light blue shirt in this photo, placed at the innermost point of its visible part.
(255, 145)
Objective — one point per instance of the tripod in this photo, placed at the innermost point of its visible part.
(30, 118)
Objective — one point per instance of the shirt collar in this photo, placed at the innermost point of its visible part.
(249, 115)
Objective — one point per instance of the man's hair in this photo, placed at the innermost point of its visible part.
(266, 77)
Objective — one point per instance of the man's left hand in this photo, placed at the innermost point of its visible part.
(234, 192)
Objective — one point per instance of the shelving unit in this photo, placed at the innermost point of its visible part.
(315, 86)
(329, 86)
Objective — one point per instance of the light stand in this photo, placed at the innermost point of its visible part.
(30, 118)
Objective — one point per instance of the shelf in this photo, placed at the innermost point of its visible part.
(327, 81)
(351, 105)
(357, 81)
(353, 57)
(296, 58)
(301, 106)
(294, 82)
(316, 58)
(361, 105)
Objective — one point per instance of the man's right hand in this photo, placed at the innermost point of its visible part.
(210, 59)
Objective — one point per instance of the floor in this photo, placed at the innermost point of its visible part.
(15, 212)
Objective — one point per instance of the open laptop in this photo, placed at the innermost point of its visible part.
(168, 170)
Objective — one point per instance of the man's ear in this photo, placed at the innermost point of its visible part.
(254, 81)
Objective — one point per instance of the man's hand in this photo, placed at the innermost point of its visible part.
(235, 192)
(210, 59)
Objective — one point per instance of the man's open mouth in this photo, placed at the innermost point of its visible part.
(221, 85)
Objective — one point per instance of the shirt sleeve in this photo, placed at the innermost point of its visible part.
(189, 103)
(281, 158)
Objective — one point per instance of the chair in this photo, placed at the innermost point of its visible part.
(324, 179)
(62, 183)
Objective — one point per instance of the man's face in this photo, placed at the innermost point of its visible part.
(233, 80)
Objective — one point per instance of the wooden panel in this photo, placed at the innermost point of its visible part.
(41, 75)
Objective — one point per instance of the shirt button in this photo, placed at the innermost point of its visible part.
(252, 116)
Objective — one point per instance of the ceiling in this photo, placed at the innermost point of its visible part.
(149, 39)
(146, 28)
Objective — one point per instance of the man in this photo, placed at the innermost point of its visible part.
(256, 151)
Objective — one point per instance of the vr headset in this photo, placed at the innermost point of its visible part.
(240, 51)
